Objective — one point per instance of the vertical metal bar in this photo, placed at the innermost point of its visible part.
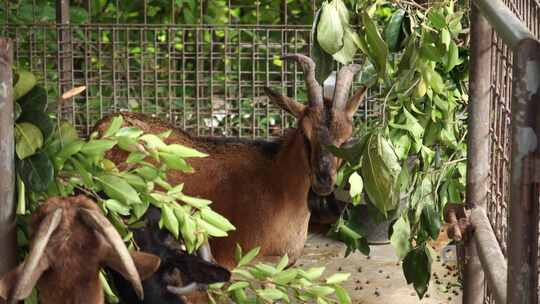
(8, 241)
(478, 147)
(525, 118)
(65, 64)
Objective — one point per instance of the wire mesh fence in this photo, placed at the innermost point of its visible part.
(500, 143)
(204, 78)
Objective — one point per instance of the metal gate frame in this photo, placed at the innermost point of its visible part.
(514, 278)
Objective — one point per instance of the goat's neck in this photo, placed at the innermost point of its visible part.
(292, 168)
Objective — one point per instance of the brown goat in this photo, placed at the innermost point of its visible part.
(71, 241)
(262, 187)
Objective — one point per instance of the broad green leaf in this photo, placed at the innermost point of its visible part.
(70, 149)
(412, 125)
(271, 294)
(149, 173)
(117, 207)
(115, 125)
(330, 29)
(320, 291)
(248, 257)
(452, 57)
(437, 19)
(337, 278)
(26, 81)
(400, 238)
(35, 100)
(237, 253)
(96, 147)
(128, 144)
(82, 172)
(417, 269)
(324, 61)
(392, 31)
(182, 151)
(169, 220)
(243, 273)
(238, 285)
(196, 202)
(380, 170)
(130, 132)
(134, 180)
(109, 293)
(210, 229)
(117, 188)
(175, 162)
(312, 273)
(28, 139)
(356, 187)
(216, 219)
(36, 171)
(135, 157)
(377, 46)
(285, 277)
(153, 142)
(431, 220)
(445, 38)
(342, 295)
(346, 54)
(283, 262)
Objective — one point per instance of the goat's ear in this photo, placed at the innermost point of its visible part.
(10, 281)
(355, 101)
(146, 263)
(286, 103)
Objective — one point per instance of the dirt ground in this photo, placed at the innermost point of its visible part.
(378, 279)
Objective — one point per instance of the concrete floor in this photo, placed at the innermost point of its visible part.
(378, 279)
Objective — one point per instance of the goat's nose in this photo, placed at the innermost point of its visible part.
(323, 178)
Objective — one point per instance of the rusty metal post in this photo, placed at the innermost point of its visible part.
(523, 209)
(8, 241)
(478, 147)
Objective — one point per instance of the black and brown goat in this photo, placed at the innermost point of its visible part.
(72, 240)
(262, 187)
(180, 274)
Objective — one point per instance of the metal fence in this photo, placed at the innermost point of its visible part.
(503, 172)
(204, 78)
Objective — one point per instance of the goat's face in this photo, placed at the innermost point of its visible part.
(71, 241)
(323, 122)
(180, 273)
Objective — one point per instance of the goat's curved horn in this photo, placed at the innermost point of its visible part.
(28, 277)
(344, 81)
(313, 87)
(189, 288)
(97, 221)
(205, 252)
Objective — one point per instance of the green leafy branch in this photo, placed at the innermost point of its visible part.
(416, 152)
(267, 283)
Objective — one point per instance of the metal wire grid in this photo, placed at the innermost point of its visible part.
(206, 80)
(527, 11)
(500, 142)
(501, 95)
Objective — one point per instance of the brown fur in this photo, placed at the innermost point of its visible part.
(264, 196)
(247, 186)
(73, 257)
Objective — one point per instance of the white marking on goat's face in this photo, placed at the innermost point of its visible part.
(324, 126)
